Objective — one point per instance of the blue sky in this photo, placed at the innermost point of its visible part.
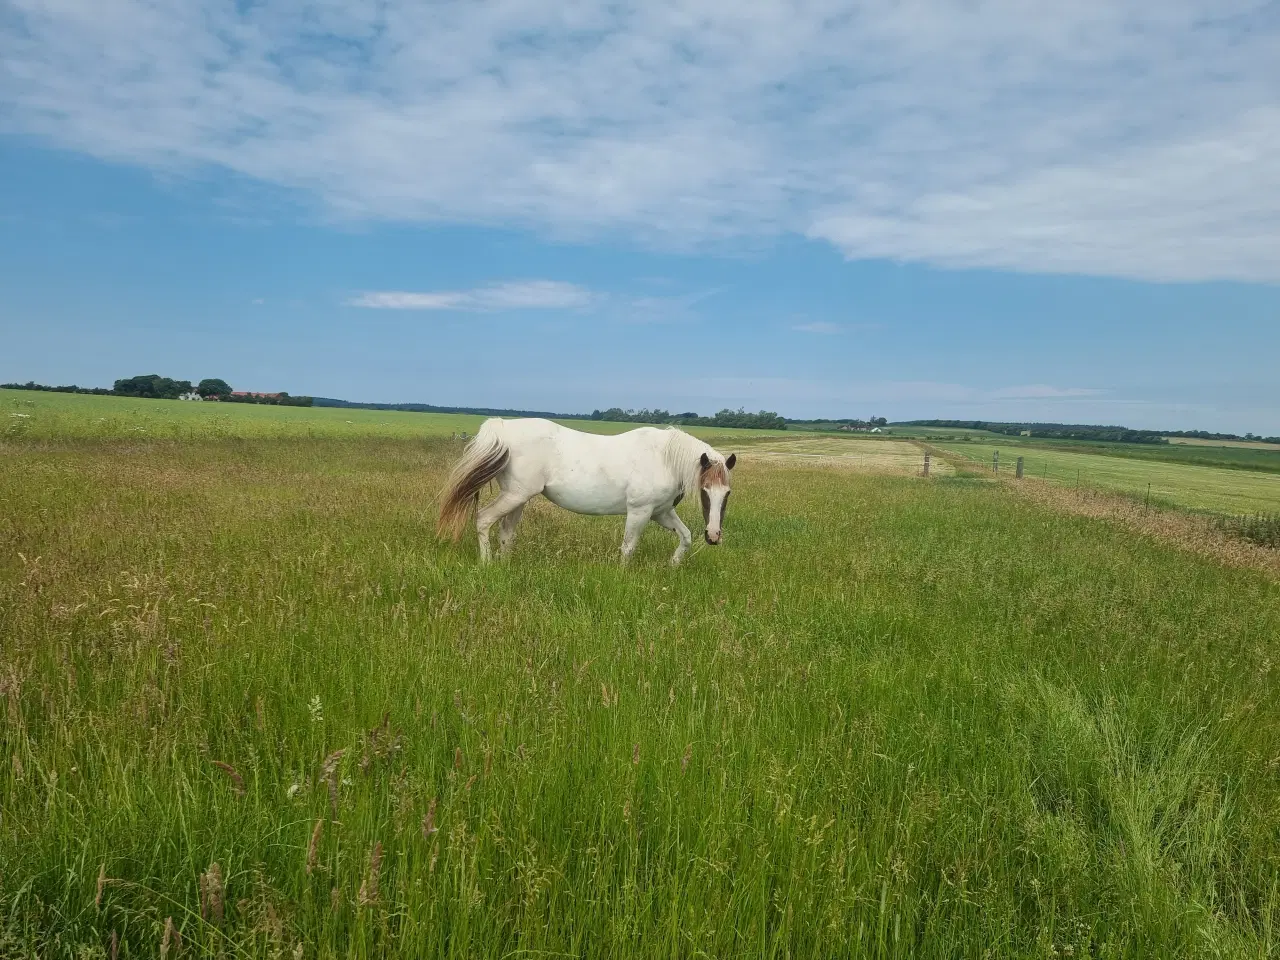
(908, 209)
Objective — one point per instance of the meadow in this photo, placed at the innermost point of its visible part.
(253, 708)
(1225, 454)
(1188, 486)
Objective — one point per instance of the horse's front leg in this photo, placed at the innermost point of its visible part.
(669, 520)
(637, 518)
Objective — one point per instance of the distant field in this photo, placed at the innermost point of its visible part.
(849, 452)
(1243, 444)
(32, 414)
(1241, 456)
(247, 697)
(1189, 486)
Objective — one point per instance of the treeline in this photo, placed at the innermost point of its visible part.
(152, 386)
(1083, 431)
(1206, 435)
(843, 423)
(32, 385)
(764, 420)
(432, 408)
(1056, 431)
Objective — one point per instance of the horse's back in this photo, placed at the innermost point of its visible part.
(588, 472)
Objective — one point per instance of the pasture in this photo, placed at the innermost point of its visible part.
(252, 708)
(1183, 485)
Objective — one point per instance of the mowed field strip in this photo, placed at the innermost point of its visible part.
(1210, 489)
(879, 456)
(251, 707)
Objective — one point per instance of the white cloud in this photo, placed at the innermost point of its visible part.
(522, 295)
(1117, 137)
(818, 326)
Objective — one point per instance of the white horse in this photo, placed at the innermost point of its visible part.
(642, 473)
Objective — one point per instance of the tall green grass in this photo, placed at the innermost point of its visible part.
(889, 717)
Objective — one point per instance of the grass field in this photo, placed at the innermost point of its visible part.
(36, 415)
(1236, 444)
(889, 717)
(1188, 486)
(1243, 455)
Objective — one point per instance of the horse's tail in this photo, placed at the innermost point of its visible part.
(484, 458)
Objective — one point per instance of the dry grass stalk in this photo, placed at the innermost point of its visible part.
(171, 940)
(329, 771)
(369, 889)
(429, 821)
(212, 894)
(457, 758)
(237, 781)
(314, 846)
(102, 882)
(115, 945)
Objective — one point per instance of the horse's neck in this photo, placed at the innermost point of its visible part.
(683, 455)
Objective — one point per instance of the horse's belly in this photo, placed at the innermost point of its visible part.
(597, 500)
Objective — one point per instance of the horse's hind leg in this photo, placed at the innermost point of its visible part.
(491, 513)
(507, 530)
(669, 520)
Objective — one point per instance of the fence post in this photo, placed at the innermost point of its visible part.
(995, 461)
(926, 465)
(1019, 472)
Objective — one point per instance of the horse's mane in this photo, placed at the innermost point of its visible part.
(683, 455)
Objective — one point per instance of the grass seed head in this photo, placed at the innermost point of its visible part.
(688, 755)
(369, 889)
(237, 781)
(635, 755)
(102, 882)
(314, 846)
(212, 894)
(171, 940)
(429, 821)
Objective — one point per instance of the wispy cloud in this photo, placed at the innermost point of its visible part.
(783, 390)
(522, 295)
(1038, 391)
(818, 326)
(1117, 137)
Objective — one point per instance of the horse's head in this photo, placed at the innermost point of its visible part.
(713, 483)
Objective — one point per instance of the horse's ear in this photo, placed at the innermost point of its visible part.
(706, 462)
(733, 458)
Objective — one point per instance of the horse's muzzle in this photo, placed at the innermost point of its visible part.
(714, 543)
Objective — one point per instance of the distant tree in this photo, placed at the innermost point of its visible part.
(152, 386)
(213, 388)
